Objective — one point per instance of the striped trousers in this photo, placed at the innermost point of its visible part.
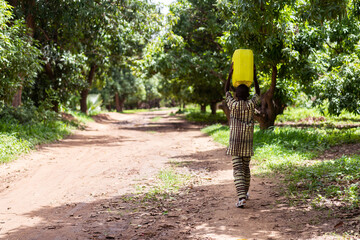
(241, 166)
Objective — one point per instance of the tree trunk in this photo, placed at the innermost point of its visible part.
(16, 102)
(30, 23)
(55, 106)
(213, 108)
(270, 107)
(83, 104)
(119, 103)
(226, 109)
(85, 92)
(203, 108)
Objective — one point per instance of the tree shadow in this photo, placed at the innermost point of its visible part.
(162, 127)
(90, 140)
(211, 160)
(191, 214)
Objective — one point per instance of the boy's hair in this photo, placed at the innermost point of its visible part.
(242, 92)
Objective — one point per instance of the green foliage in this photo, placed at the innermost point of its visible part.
(338, 179)
(23, 128)
(11, 146)
(188, 54)
(340, 86)
(82, 40)
(334, 63)
(122, 82)
(19, 61)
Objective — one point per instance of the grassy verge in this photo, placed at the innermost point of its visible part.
(22, 129)
(301, 114)
(290, 152)
(193, 115)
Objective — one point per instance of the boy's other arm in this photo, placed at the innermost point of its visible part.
(257, 88)
(227, 84)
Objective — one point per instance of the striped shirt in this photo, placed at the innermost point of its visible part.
(241, 125)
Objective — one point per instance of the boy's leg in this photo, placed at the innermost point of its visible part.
(240, 176)
(246, 165)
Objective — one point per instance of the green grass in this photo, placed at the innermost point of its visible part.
(192, 114)
(81, 117)
(21, 130)
(297, 114)
(287, 150)
(338, 179)
(168, 182)
(206, 118)
(155, 119)
(19, 138)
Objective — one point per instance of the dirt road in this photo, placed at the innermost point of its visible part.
(82, 188)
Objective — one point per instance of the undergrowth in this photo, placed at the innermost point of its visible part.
(22, 128)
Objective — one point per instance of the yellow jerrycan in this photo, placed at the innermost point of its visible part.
(243, 68)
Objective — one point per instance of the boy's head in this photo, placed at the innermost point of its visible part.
(242, 92)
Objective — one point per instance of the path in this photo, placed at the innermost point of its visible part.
(79, 187)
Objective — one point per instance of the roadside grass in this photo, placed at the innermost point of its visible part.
(155, 119)
(297, 114)
(337, 179)
(21, 130)
(192, 114)
(291, 152)
(168, 182)
(16, 138)
(80, 117)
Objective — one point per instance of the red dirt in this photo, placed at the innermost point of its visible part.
(83, 188)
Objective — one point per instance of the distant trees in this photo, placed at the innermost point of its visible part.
(189, 55)
(81, 42)
(53, 52)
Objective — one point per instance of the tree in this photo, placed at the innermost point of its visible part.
(138, 22)
(269, 28)
(118, 88)
(188, 54)
(19, 62)
(81, 40)
(336, 60)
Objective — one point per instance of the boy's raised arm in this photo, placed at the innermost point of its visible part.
(257, 88)
(227, 84)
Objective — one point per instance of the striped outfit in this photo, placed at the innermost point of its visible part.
(241, 140)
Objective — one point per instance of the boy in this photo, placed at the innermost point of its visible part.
(241, 134)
